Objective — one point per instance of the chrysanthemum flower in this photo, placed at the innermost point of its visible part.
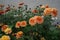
(46, 6)
(23, 23)
(7, 9)
(39, 19)
(1, 12)
(4, 27)
(21, 3)
(19, 34)
(32, 21)
(18, 24)
(47, 11)
(7, 31)
(54, 12)
(5, 37)
(34, 11)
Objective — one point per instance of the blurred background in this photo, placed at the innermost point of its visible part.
(33, 3)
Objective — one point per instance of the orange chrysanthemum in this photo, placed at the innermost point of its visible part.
(54, 12)
(34, 11)
(7, 9)
(8, 31)
(21, 3)
(39, 19)
(18, 24)
(47, 11)
(19, 34)
(46, 6)
(32, 21)
(23, 23)
(4, 27)
(1, 11)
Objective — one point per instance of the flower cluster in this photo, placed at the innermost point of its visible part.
(50, 11)
(21, 26)
(36, 19)
(6, 29)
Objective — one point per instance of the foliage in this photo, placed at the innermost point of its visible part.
(45, 30)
